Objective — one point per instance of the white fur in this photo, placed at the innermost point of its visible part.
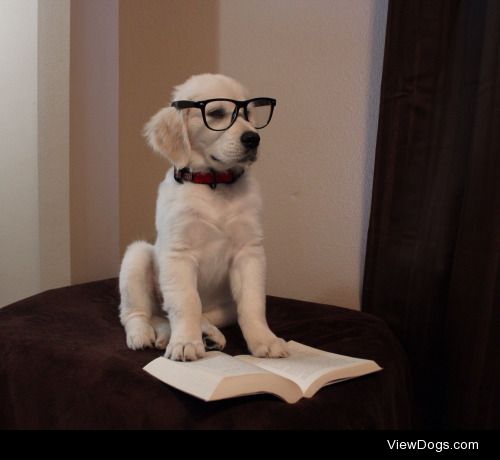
(207, 267)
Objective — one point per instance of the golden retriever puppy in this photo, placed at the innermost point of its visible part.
(207, 266)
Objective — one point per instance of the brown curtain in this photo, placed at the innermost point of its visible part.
(432, 263)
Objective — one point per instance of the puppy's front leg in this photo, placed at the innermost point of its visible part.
(247, 276)
(178, 284)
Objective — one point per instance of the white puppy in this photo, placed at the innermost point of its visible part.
(207, 267)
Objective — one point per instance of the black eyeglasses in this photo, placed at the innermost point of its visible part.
(220, 114)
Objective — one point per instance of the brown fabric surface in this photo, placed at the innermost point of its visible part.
(64, 364)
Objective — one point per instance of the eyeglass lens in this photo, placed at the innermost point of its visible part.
(220, 115)
(259, 113)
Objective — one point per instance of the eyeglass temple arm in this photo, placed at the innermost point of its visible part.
(263, 101)
(185, 104)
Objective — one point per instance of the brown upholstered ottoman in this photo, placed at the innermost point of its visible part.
(64, 364)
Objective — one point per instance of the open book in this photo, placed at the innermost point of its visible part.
(220, 376)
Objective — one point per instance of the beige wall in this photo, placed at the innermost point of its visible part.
(125, 57)
(19, 245)
(161, 44)
(53, 142)
(94, 140)
(34, 156)
(322, 60)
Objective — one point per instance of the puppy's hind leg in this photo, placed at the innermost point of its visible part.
(162, 330)
(221, 316)
(213, 339)
(137, 291)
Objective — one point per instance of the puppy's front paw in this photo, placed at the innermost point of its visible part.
(140, 334)
(271, 347)
(185, 351)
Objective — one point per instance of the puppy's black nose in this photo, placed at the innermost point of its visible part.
(250, 139)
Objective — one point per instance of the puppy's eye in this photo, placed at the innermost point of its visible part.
(217, 113)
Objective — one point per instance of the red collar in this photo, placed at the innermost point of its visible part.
(210, 178)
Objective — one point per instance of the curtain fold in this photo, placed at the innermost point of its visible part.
(432, 262)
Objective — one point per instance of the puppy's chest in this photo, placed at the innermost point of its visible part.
(213, 233)
(215, 240)
(211, 226)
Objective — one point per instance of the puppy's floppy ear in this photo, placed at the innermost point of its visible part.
(166, 133)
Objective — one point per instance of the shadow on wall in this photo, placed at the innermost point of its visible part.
(379, 21)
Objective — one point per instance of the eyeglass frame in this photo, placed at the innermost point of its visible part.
(180, 105)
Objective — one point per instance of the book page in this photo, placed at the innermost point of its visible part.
(224, 365)
(306, 365)
(200, 378)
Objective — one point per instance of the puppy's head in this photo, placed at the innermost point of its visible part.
(183, 137)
